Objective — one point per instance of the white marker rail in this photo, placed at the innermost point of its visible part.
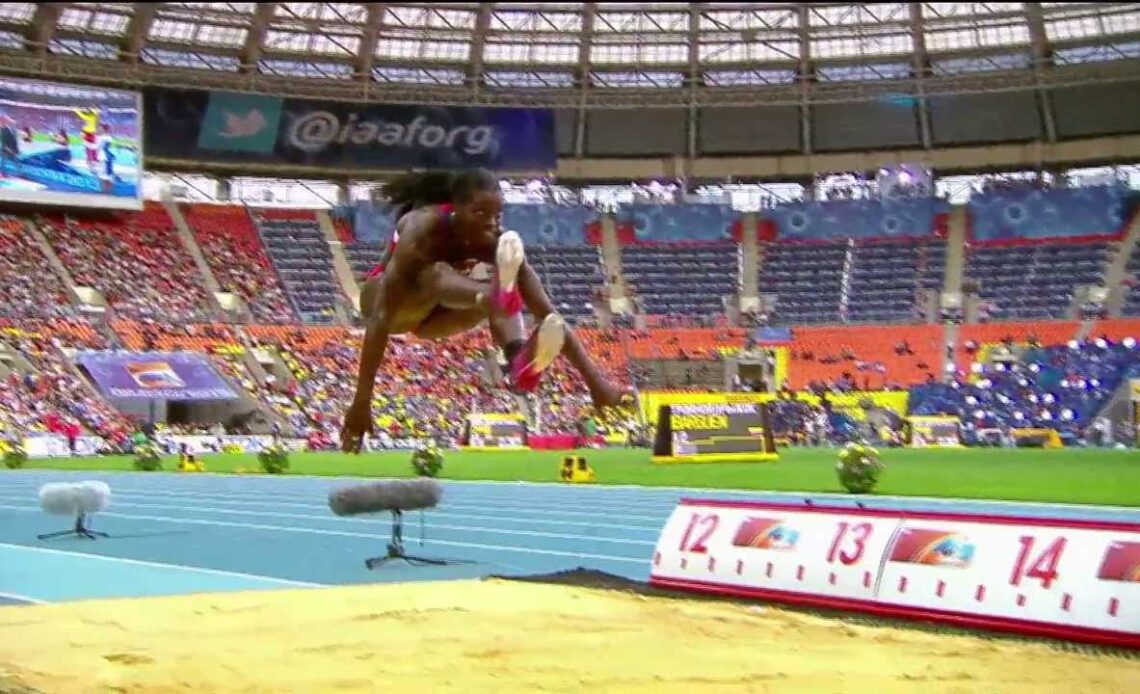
(1066, 579)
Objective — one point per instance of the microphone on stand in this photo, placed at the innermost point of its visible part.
(75, 499)
(394, 497)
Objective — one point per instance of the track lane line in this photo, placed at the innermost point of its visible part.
(341, 533)
(164, 565)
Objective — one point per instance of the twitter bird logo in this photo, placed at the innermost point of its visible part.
(248, 125)
(240, 123)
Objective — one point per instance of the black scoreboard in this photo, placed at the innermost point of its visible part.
(738, 432)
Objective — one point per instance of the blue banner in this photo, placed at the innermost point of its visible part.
(858, 219)
(769, 335)
(680, 222)
(549, 225)
(373, 222)
(230, 127)
(1034, 213)
(155, 376)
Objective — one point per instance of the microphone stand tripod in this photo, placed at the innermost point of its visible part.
(80, 529)
(396, 549)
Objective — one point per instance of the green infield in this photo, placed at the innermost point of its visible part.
(1062, 476)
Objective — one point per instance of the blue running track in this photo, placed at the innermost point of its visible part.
(176, 534)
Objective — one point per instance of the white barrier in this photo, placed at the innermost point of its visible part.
(56, 446)
(1075, 580)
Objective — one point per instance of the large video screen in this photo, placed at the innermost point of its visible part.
(66, 144)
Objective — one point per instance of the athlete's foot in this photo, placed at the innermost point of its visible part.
(504, 285)
(539, 352)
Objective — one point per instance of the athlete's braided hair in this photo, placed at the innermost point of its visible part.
(414, 190)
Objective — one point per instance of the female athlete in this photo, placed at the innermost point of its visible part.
(448, 222)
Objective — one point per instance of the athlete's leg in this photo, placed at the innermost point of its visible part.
(368, 304)
(445, 322)
(603, 393)
(501, 303)
(461, 295)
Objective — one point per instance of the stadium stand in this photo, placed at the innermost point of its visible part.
(362, 257)
(1131, 306)
(863, 358)
(807, 280)
(682, 279)
(301, 256)
(135, 260)
(888, 280)
(834, 293)
(571, 275)
(55, 397)
(1059, 387)
(1116, 329)
(232, 247)
(29, 285)
(1035, 282)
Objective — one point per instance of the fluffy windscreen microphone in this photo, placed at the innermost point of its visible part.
(398, 495)
(74, 498)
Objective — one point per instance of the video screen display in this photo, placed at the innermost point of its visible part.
(65, 144)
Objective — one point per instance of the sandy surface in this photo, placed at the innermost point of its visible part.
(498, 636)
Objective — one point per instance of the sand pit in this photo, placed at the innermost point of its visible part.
(497, 635)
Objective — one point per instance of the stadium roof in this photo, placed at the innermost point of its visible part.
(576, 55)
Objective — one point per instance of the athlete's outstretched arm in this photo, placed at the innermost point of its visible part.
(601, 390)
(384, 302)
(358, 418)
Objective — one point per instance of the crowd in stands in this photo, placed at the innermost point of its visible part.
(137, 262)
(236, 256)
(427, 388)
(29, 286)
(1059, 387)
(425, 391)
(55, 397)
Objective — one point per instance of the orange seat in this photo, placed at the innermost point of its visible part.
(1045, 332)
(871, 347)
(1116, 329)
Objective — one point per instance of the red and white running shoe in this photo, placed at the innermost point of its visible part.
(539, 352)
(509, 257)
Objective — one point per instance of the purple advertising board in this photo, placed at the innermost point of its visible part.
(155, 375)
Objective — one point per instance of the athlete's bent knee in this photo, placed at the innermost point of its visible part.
(434, 275)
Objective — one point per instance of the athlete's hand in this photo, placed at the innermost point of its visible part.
(357, 423)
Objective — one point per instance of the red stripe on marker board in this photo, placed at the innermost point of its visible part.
(980, 594)
(940, 589)
(1113, 606)
(902, 584)
(1066, 602)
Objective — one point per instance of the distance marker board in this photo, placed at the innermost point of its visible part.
(1066, 579)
